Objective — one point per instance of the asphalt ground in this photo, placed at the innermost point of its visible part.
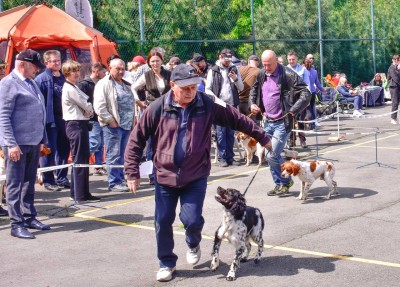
(349, 240)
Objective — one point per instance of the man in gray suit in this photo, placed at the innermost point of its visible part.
(22, 131)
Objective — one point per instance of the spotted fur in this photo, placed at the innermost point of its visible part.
(240, 223)
(251, 146)
(308, 172)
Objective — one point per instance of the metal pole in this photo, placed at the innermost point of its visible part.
(253, 32)
(1, 5)
(373, 36)
(141, 27)
(321, 43)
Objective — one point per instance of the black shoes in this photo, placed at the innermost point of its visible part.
(21, 232)
(3, 212)
(36, 224)
(303, 144)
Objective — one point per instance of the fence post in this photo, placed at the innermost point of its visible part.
(253, 32)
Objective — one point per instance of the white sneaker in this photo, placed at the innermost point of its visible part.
(361, 111)
(394, 122)
(193, 255)
(356, 113)
(317, 124)
(165, 274)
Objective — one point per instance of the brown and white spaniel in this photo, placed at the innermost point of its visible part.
(251, 146)
(308, 172)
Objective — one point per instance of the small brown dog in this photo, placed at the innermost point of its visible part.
(310, 171)
(251, 146)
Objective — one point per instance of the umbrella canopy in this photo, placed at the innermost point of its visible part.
(41, 27)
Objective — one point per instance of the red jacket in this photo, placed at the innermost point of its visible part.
(160, 120)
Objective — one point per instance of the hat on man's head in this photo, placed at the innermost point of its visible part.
(184, 75)
(139, 59)
(2, 63)
(236, 61)
(31, 56)
(174, 61)
(254, 58)
(226, 53)
(198, 57)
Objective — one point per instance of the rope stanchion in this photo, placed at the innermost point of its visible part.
(376, 154)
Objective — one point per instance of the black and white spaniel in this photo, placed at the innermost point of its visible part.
(240, 223)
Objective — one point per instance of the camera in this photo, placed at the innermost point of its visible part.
(232, 69)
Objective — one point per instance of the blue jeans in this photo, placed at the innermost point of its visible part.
(96, 142)
(191, 200)
(149, 156)
(225, 142)
(279, 136)
(115, 140)
(59, 144)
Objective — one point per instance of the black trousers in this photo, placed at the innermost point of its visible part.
(21, 177)
(78, 136)
(394, 93)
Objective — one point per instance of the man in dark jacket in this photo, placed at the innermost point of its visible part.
(224, 81)
(179, 124)
(51, 82)
(96, 140)
(280, 95)
(394, 87)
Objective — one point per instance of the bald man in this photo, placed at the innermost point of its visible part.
(114, 105)
(278, 94)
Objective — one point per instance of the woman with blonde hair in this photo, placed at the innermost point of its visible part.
(77, 110)
(351, 96)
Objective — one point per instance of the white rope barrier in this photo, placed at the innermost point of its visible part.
(347, 116)
(145, 168)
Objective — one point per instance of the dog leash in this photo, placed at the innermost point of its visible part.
(247, 188)
(251, 181)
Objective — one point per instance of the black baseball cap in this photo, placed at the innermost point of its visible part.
(184, 75)
(254, 58)
(2, 63)
(198, 57)
(31, 56)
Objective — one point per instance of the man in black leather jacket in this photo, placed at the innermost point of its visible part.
(279, 95)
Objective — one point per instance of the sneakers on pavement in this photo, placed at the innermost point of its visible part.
(284, 189)
(99, 171)
(193, 255)
(394, 122)
(119, 187)
(234, 163)
(303, 144)
(165, 274)
(274, 191)
(52, 187)
(222, 163)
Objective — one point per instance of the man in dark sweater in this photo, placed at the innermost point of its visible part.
(179, 124)
(96, 140)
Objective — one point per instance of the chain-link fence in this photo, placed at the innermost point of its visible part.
(356, 37)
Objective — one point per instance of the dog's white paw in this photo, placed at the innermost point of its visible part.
(214, 264)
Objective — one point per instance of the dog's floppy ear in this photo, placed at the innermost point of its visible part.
(295, 168)
(239, 204)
